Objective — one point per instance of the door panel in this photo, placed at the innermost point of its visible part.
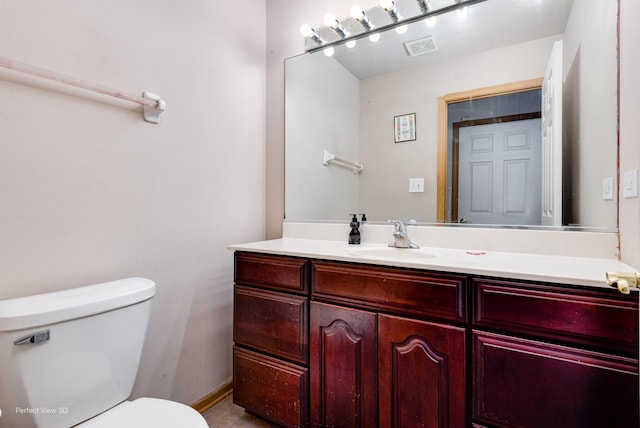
(343, 367)
(421, 374)
(499, 173)
(529, 384)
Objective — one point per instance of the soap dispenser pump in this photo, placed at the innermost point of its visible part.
(354, 235)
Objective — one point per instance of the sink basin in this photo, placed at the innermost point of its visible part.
(393, 253)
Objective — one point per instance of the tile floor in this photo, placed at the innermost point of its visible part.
(227, 415)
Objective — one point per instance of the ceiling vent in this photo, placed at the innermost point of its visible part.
(421, 46)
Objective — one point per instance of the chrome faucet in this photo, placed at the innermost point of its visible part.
(401, 236)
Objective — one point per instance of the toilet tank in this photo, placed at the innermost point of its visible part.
(69, 355)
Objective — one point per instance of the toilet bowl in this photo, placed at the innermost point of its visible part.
(70, 358)
(147, 412)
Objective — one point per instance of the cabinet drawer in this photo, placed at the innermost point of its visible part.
(400, 291)
(274, 272)
(525, 383)
(595, 318)
(272, 322)
(270, 388)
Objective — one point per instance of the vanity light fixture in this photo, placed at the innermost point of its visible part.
(332, 22)
(358, 14)
(325, 38)
(307, 31)
(389, 6)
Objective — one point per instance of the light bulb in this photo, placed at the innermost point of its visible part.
(350, 44)
(374, 37)
(329, 51)
(462, 12)
(306, 30)
(356, 12)
(386, 4)
(331, 21)
(430, 21)
(402, 29)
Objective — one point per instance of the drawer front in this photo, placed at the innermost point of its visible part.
(270, 388)
(272, 322)
(595, 318)
(400, 291)
(274, 272)
(529, 384)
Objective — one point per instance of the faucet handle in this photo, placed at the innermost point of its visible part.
(399, 224)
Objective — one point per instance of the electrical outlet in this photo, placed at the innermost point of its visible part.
(630, 184)
(416, 185)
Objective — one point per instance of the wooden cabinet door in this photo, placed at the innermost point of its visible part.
(421, 381)
(530, 384)
(343, 367)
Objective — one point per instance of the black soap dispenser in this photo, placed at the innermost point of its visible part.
(354, 235)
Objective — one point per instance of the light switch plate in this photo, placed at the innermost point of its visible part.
(630, 184)
(607, 189)
(416, 185)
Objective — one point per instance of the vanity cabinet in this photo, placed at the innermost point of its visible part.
(325, 344)
(271, 337)
(385, 350)
(553, 356)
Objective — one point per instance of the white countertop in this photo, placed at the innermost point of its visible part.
(510, 265)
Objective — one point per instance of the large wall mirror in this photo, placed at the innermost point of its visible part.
(448, 121)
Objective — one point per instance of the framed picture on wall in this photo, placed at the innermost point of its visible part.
(404, 127)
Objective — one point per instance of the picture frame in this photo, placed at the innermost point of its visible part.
(404, 127)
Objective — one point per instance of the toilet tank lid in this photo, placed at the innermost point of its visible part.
(50, 308)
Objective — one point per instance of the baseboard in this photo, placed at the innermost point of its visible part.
(213, 398)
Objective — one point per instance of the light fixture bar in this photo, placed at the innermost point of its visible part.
(406, 21)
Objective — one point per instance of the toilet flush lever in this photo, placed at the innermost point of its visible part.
(37, 337)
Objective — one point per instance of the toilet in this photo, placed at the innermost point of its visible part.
(70, 358)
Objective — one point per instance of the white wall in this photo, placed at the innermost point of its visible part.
(320, 87)
(89, 192)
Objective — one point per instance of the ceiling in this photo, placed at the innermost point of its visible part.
(488, 25)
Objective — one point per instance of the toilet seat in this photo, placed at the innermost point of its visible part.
(147, 412)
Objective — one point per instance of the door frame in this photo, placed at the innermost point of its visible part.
(455, 164)
(443, 121)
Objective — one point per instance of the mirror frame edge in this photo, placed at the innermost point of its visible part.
(443, 119)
